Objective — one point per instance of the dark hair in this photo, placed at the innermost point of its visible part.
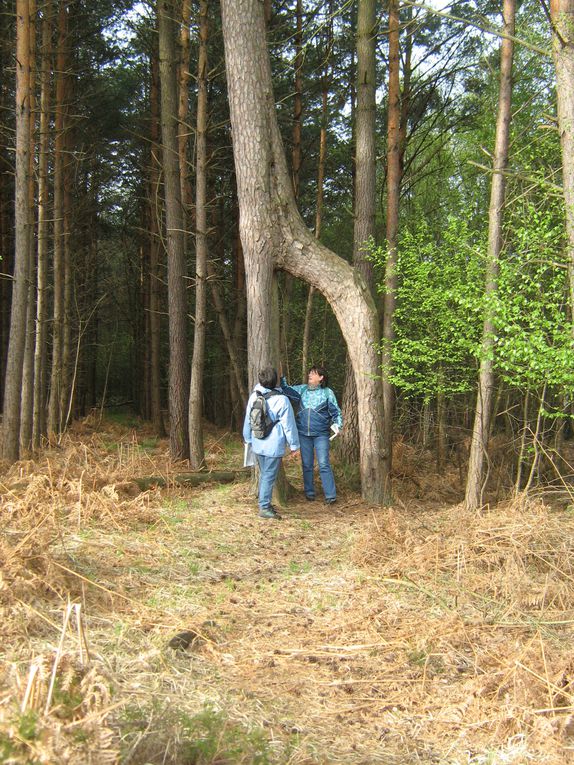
(268, 377)
(322, 372)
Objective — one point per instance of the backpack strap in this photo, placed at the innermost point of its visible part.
(267, 396)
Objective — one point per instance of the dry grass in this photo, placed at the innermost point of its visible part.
(415, 634)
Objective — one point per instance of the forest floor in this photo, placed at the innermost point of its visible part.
(349, 634)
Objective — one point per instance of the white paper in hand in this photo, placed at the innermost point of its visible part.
(248, 456)
(335, 429)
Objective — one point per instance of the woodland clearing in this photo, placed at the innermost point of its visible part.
(413, 634)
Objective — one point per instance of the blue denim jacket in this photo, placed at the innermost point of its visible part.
(317, 408)
(283, 433)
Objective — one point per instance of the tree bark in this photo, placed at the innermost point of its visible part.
(320, 187)
(483, 413)
(60, 120)
(27, 411)
(17, 341)
(393, 196)
(562, 16)
(183, 126)
(179, 372)
(40, 357)
(365, 198)
(219, 304)
(66, 372)
(273, 233)
(196, 451)
(154, 250)
(296, 160)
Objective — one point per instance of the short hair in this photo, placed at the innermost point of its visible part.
(322, 372)
(268, 377)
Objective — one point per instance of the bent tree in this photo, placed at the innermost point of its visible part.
(274, 235)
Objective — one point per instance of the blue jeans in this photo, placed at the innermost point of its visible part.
(268, 469)
(311, 445)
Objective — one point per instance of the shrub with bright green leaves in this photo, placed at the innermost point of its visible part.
(438, 316)
(534, 340)
(441, 306)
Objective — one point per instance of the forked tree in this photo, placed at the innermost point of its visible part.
(275, 237)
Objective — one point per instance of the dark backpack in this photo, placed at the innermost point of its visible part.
(259, 419)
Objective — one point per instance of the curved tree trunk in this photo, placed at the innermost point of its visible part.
(274, 235)
(483, 413)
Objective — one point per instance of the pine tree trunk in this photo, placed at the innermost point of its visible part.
(219, 304)
(319, 202)
(364, 196)
(6, 228)
(196, 451)
(66, 373)
(393, 195)
(27, 413)
(17, 341)
(40, 356)
(155, 251)
(483, 413)
(54, 411)
(183, 131)
(296, 160)
(562, 15)
(179, 370)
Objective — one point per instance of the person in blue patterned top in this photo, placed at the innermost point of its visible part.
(318, 416)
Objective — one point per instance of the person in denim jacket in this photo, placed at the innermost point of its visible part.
(271, 449)
(317, 412)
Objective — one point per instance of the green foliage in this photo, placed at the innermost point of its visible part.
(28, 726)
(206, 738)
(438, 315)
(534, 332)
(211, 738)
(441, 306)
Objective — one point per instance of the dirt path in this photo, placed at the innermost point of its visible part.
(412, 634)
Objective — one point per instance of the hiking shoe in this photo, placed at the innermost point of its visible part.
(331, 501)
(269, 512)
(310, 497)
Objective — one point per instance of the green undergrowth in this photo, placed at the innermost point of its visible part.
(158, 733)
